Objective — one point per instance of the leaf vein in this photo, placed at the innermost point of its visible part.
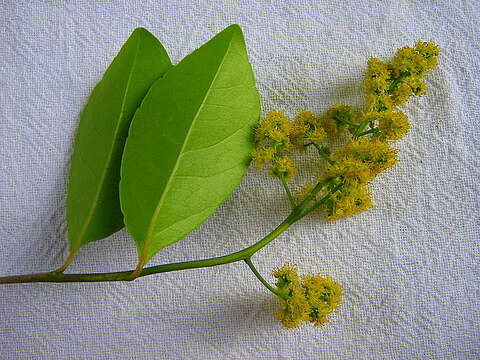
(211, 175)
(180, 220)
(215, 144)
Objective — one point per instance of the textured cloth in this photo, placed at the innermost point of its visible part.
(409, 267)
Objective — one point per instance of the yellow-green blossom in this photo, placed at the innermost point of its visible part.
(307, 129)
(389, 84)
(283, 167)
(361, 154)
(429, 51)
(348, 171)
(308, 298)
(274, 131)
(262, 155)
(350, 199)
(377, 76)
(374, 153)
(323, 295)
(336, 119)
(393, 125)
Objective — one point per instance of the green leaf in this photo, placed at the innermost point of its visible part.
(93, 205)
(189, 143)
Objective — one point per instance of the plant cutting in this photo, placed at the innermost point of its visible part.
(159, 147)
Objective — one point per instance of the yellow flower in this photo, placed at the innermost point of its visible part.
(375, 154)
(309, 298)
(408, 60)
(336, 118)
(351, 199)
(274, 131)
(316, 135)
(402, 92)
(307, 127)
(307, 118)
(378, 102)
(389, 84)
(274, 121)
(393, 125)
(283, 167)
(323, 295)
(262, 155)
(348, 170)
(377, 76)
(429, 51)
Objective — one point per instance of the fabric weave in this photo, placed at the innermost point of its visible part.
(409, 266)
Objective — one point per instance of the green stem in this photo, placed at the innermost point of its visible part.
(297, 213)
(361, 128)
(323, 154)
(396, 83)
(309, 198)
(69, 260)
(262, 280)
(322, 200)
(58, 277)
(287, 190)
(340, 120)
(370, 131)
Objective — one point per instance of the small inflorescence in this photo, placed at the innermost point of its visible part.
(309, 298)
(365, 134)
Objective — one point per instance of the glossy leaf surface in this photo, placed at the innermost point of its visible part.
(189, 143)
(93, 204)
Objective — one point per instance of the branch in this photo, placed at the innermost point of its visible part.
(58, 277)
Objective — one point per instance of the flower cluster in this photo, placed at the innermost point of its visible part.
(273, 139)
(365, 132)
(355, 145)
(277, 136)
(390, 84)
(309, 298)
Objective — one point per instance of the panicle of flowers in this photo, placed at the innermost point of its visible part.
(365, 132)
(354, 147)
(389, 84)
(309, 298)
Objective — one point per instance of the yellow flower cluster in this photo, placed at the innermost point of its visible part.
(392, 125)
(376, 154)
(367, 132)
(276, 136)
(356, 165)
(337, 118)
(389, 84)
(307, 129)
(342, 189)
(309, 298)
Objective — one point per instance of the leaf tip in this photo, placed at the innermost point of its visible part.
(141, 31)
(234, 29)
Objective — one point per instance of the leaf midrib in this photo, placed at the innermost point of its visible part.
(149, 235)
(110, 154)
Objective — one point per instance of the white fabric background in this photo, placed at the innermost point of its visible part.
(410, 266)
